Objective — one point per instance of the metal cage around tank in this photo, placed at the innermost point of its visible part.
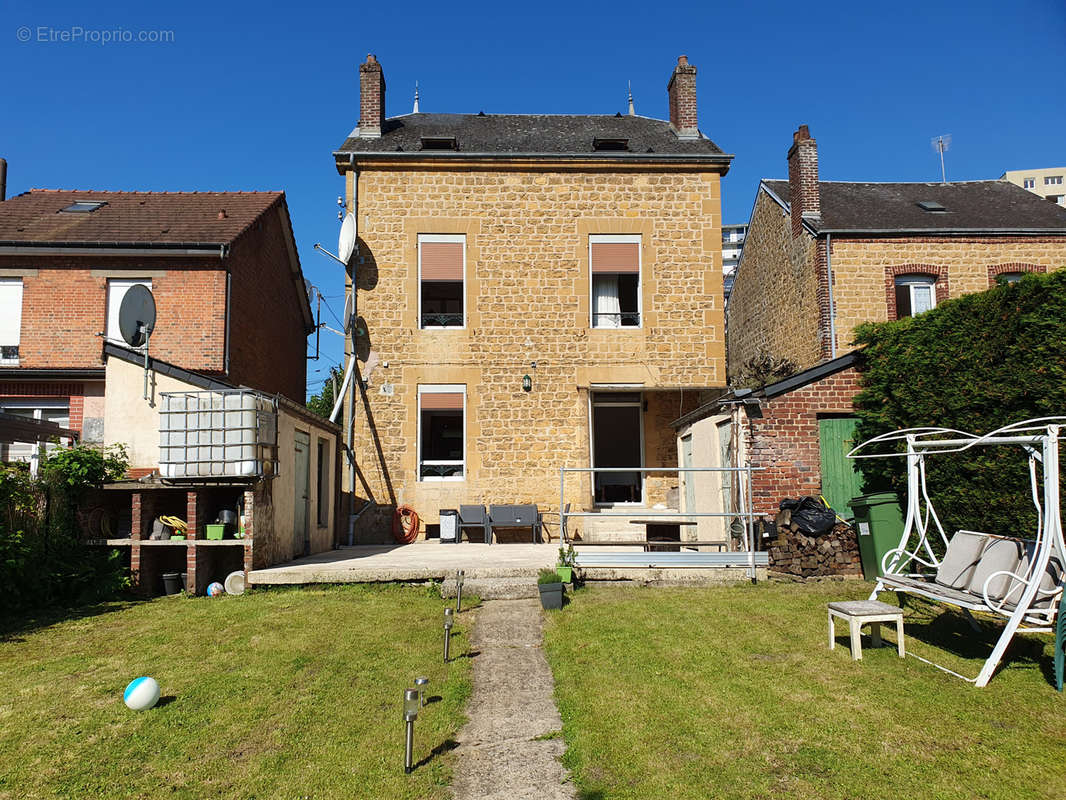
(218, 434)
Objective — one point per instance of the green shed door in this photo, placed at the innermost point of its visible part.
(841, 479)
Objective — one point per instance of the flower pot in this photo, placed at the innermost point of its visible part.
(551, 595)
(171, 582)
(566, 574)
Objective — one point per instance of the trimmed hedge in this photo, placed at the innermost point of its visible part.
(974, 364)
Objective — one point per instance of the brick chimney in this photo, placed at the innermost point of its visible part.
(682, 91)
(371, 97)
(804, 194)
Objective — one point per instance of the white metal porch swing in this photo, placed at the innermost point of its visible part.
(1018, 579)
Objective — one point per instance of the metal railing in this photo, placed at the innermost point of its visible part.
(452, 320)
(744, 512)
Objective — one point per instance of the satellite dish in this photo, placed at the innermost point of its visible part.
(346, 240)
(349, 313)
(136, 315)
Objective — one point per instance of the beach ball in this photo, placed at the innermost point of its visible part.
(141, 694)
(215, 589)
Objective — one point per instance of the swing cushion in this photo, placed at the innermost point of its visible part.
(963, 553)
(1000, 554)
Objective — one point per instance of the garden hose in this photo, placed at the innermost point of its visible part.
(405, 524)
(175, 523)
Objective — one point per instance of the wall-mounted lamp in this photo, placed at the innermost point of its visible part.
(527, 383)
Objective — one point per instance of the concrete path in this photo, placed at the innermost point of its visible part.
(499, 754)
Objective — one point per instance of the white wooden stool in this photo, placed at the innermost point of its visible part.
(859, 613)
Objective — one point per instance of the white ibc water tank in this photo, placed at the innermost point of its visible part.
(217, 434)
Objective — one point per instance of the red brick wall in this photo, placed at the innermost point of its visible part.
(268, 341)
(64, 306)
(784, 442)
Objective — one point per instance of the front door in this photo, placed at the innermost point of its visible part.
(841, 479)
(617, 441)
(301, 542)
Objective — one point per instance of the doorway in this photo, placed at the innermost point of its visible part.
(301, 542)
(841, 478)
(618, 441)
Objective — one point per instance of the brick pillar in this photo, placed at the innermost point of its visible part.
(192, 519)
(371, 97)
(805, 197)
(682, 92)
(192, 514)
(249, 531)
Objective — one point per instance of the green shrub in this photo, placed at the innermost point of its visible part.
(973, 364)
(546, 576)
(43, 561)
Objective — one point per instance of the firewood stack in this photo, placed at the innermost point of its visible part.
(833, 553)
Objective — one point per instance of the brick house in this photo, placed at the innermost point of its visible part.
(822, 257)
(233, 319)
(581, 252)
(217, 263)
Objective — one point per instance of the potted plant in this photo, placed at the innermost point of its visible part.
(551, 589)
(567, 562)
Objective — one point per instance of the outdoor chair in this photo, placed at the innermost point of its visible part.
(475, 517)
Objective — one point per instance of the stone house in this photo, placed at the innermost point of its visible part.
(822, 257)
(232, 322)
(535, 292)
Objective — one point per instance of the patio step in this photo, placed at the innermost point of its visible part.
(495, 588)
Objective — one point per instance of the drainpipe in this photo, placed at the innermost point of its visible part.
(832, 306)
(350, 417)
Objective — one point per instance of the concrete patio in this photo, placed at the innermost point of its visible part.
(420, 561)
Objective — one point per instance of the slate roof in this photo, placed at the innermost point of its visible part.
(145, 219)
(893, 207)
(532, 134)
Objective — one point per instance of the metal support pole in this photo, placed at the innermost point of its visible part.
(147, 339)
(409, 745)
(562, 512)
(447, 643)
(751, 527)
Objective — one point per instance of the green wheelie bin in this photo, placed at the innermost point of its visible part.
(879, 525)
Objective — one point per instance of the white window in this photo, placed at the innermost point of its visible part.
(116, 290)
(1029, 183)
(1053, 180)
(1057, 199)
(48, 411)
(441, 280)
(915, 294)
(10, 320)
(614, 263)
(442, 432)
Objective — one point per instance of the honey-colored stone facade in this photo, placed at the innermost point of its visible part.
(776, 307)
(862, 269)
(527, 299)
(773, 309)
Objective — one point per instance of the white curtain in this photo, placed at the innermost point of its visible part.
(605, 302)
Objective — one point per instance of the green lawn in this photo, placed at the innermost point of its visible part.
(279, 694)
(733, 693)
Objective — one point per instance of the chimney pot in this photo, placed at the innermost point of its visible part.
(804, 192)
(3, 179)
(682, 93)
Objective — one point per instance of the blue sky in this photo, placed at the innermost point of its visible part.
(254, 96)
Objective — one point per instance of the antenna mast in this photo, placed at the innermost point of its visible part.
(941, 144)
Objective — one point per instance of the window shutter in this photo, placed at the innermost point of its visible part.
(10, 311)
(615, 257)
(442, 261)
(442, 401)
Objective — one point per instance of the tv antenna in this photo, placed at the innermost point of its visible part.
(941, 145)
(136, 321)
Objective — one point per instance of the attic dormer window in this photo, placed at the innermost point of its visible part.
(439, 143)
(83, 206)
(932, 206)
(610, 144)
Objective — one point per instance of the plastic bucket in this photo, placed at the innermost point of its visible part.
(172, 582)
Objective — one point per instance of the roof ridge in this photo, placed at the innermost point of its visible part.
(158, 193)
